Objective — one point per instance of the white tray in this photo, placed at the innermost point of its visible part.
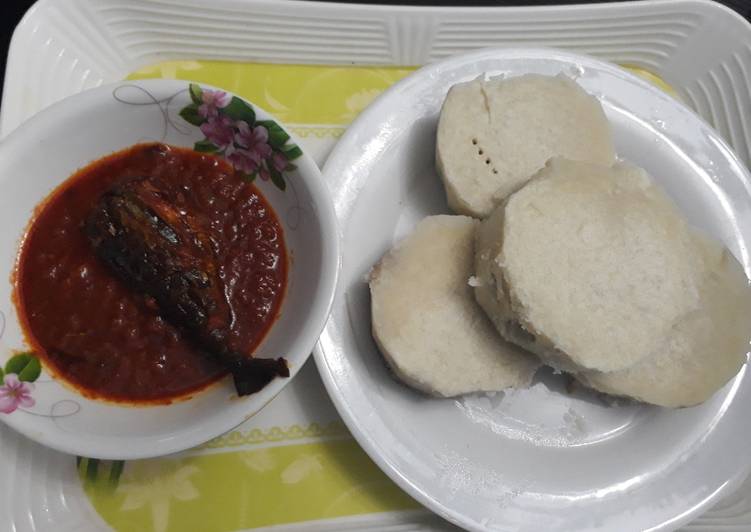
(699, 47)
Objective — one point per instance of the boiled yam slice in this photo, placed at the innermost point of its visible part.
(426, 322)
(704, 350)
(493, 135)
(592, 267)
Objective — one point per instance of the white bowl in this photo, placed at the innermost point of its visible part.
(53, 145)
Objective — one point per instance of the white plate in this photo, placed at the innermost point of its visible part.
(538, 459)
(47, 149)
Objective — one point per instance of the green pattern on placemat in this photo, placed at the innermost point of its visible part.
(100, 474)
(278, 434)
(237, 490)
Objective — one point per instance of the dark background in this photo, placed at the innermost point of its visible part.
(11, 12)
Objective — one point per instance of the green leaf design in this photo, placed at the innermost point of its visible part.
(190, 115)
(2, 375)
(16, 363)
(249, 178)
(32, 371)
(277, 136)
(196, 94)
(25, 365)
(204, 146)
(239, 110)
(291, 152)
(277, 179)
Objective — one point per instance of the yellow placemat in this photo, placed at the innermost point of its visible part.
(299, 95)
(305, 466)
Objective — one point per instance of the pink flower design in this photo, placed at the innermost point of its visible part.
(14, 393)
(264, 172)
(219, 130)
(279, 161)
(242, 160)
(212, 102)
(254, 140)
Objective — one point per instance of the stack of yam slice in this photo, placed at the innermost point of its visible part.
(558, 255)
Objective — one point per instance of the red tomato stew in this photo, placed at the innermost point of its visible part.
(113, 342)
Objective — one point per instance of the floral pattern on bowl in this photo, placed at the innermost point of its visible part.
(17, 376)
(256, 148)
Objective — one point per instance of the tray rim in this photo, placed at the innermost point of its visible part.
(383, 9)
(375, 9)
